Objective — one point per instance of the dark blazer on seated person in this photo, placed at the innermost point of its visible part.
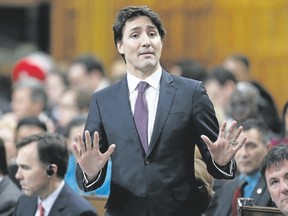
(261, 196)
(162, 181)
(9, 195)
(68, 203)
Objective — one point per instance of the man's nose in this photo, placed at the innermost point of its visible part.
(284, 185)
(18, 174)
(242, 152)
(146, 40)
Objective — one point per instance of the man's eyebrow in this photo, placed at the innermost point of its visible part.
(272, 179)
(138, 28)
(151, 27)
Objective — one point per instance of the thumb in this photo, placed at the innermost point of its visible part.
(109, 152)
(206, 140)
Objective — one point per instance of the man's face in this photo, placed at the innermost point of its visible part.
(251, 154)
(67, 108)
(214, 92)
(277, 182)
(31, 173)
(21, 103)
(237, 68)
(243, 106)
(142, 46)
(78, 76)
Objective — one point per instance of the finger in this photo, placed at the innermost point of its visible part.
(76, 151)
(222, 129)
(240, 144)
(81, 144)
(96, 140)
(88, 142)
(231, 131)
(237, 133)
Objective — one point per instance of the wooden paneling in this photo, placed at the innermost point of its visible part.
(81, 27)
(206, 30)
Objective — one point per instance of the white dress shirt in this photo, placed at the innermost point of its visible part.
(49, 201)
(151, 94)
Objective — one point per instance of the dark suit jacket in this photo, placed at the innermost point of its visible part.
(260, 195)
(9, 195)
(67, 203)
(161, 182)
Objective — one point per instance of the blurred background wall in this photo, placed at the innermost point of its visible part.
(205, 30)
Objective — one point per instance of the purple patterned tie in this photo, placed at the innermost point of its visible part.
(141, 115)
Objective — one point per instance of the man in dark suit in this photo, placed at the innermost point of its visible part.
(9, 192)
(248, 159)
(42, 163)
(274, 168)
(153, 171)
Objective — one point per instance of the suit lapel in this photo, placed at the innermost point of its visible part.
(59, 203)
(260, 194)
(166, 96)
(125, 120)
(32, 203)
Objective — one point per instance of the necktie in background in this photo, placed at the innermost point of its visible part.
(141, 115)
(41, 209)
(237, 194)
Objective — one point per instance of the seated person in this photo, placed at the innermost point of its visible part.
(25, 127)
(274, 168)
(9, 192)
(249, 178)
(42, 163)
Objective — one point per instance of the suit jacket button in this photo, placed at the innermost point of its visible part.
(146, 161)
(144, 194)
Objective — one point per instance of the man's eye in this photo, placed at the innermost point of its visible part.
(134, 35)
(152, 34)
(273, 183)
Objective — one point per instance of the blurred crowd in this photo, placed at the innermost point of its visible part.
(42, 96)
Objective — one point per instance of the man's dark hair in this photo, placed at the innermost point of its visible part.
(276, 155)
(259, 125)
(52, 149)
(192, 69)
(90, 62)
(129, 13)
(31, 121)
(241, 58)
(221, 75)
(3, 162)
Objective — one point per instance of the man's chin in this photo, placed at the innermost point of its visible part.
(26, 192)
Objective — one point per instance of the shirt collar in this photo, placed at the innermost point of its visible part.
(251, 178)
(49, 201)
(153, 80)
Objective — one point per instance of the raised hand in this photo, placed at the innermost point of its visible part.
(227, 144)
(88, 155)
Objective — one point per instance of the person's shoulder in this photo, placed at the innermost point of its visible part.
(76, 201)
(11, 189)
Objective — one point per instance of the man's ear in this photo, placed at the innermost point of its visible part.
(120, 47)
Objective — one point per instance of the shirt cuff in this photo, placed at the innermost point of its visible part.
(227, 169)
(90, 184)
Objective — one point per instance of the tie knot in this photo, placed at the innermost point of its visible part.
(142, 86)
